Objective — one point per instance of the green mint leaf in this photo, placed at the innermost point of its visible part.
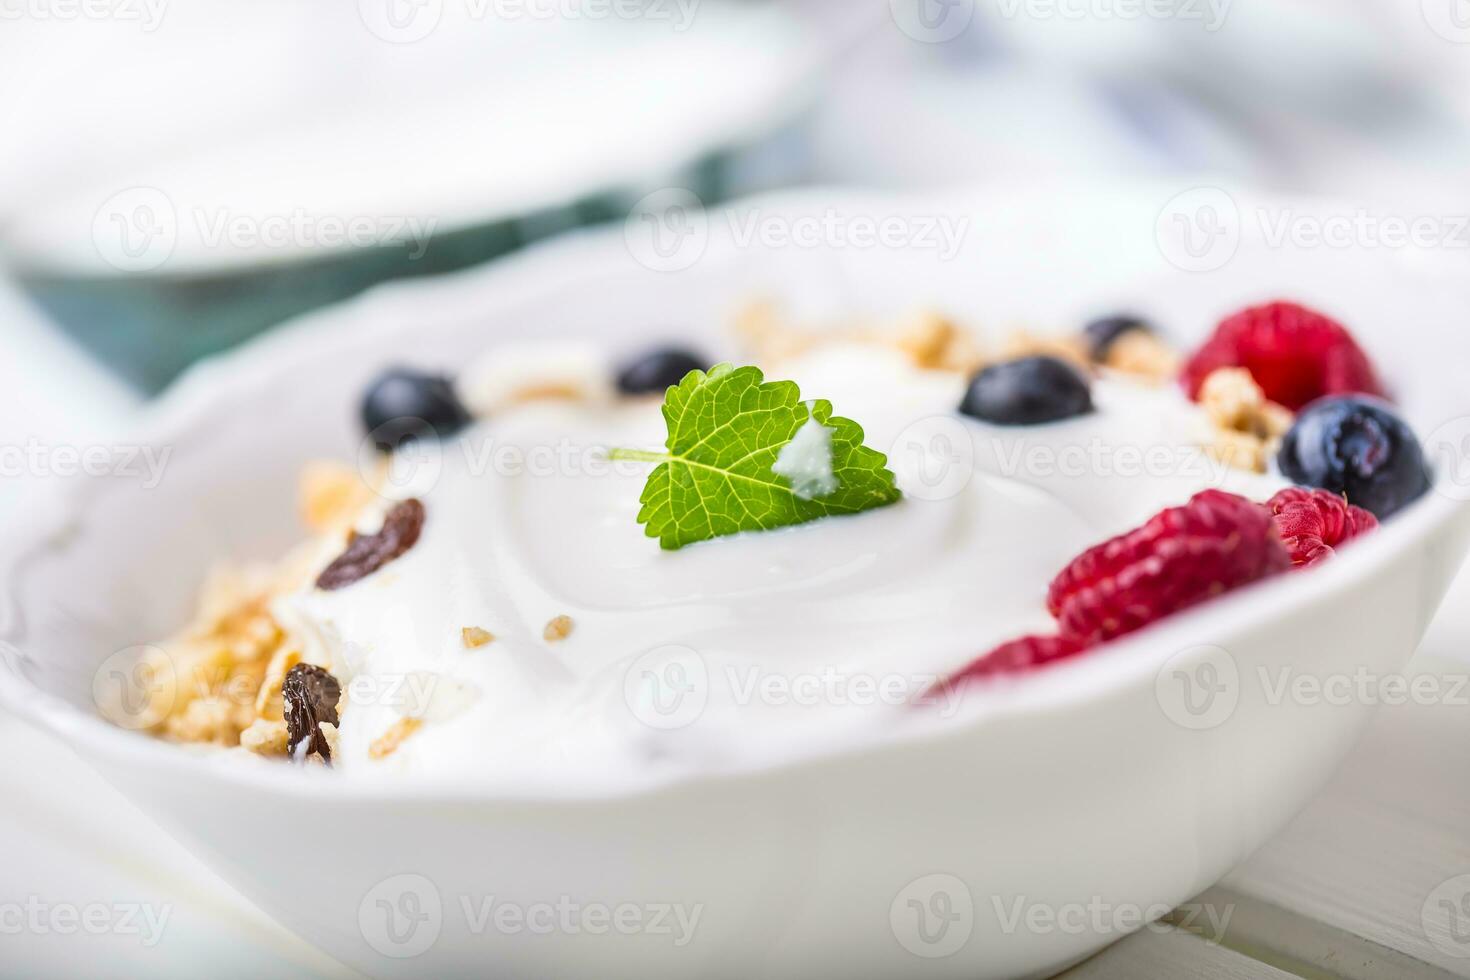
(727, 428)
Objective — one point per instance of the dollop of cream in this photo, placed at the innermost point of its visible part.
(807, 461)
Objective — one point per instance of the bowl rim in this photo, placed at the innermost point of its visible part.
(212, 386)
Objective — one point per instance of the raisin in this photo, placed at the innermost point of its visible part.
(366, 553)
(310, 695)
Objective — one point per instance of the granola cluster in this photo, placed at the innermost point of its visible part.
(936, 342)
(929, 339)
(1247, 428)
(218, 681)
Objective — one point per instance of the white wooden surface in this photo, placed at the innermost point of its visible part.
(1175, 954)
(1338, 894)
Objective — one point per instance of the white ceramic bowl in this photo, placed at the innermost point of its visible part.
(1116, 780)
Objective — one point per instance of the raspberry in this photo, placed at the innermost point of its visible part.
(1295, 354)
(1181, 556)
(1010, 658)
(1312, 522)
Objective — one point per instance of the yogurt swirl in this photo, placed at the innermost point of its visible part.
(740, 650)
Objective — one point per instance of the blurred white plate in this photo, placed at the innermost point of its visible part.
(455, 113)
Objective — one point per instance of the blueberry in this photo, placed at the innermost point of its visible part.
(1357, 447)
(1102, 334)
(1027, 391)
(401, 403)
(656, 371)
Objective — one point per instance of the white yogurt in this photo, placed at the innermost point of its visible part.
(736, 651)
